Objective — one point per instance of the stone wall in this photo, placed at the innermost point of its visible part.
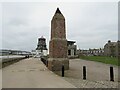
(58, 49)
(55, 64)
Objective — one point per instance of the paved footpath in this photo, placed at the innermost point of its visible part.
(0, 74)
(97, 74)
(0, 79)
(31, 73)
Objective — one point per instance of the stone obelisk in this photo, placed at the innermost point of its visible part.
(58, 43)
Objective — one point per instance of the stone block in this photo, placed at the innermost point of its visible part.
(55, 64)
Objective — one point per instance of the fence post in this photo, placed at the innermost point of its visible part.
(62, 70)
(111, 74)
(84, 72)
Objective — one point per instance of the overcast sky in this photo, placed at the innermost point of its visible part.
(90, 24)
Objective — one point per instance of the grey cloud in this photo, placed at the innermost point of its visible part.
(0, 25)
(89, 24)
(17, 22)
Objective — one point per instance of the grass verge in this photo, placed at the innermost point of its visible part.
(103, 59)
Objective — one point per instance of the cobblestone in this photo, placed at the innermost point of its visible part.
(79, 83)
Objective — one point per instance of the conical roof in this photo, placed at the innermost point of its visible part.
(58, 11)
(58, 15)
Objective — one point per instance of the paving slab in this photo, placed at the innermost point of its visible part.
(98, 74)
(31, 73)
(0, 74)
(96, 71)
(0, 79)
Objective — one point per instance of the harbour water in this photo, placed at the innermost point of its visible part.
(2, 58)
(10, 56)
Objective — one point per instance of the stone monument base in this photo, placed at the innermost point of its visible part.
(55, 64)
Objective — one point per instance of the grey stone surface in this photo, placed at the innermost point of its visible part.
(31, 73)
(58, 43)
(97, 74)
(0, 78)
(79, 83)
(55, 64)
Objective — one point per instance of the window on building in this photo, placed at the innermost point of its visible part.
(69, 52)
(74, 53)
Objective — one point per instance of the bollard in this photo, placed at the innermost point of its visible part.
(62, 70)
(84, 72)
(111, 74)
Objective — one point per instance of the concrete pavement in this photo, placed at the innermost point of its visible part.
(31, 73)
(97, 74)
(0, 79)
(0, 74)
